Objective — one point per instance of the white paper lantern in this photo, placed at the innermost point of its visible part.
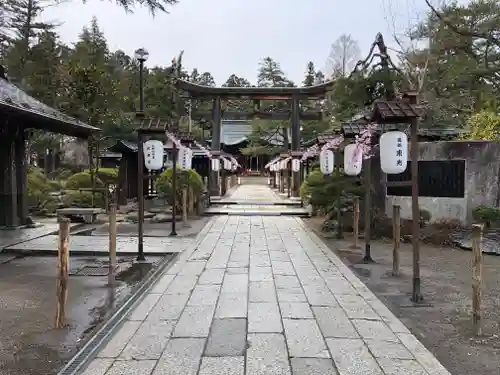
(393, 152)
(326, 161)
(153, 155)
(295, 165)
(215, 164)
(185, 158)
(353, 160)
(277, 166)
(283, 165)
(227, 164)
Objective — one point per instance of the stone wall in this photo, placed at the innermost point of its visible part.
(482, 171)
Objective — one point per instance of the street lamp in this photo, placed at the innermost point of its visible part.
(141, 55)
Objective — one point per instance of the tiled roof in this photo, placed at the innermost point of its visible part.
(390, 111)
(350, 130)
(12, 97)
(234, 132)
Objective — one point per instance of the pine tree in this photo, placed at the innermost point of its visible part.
(319, 77)
(270, 74)
(91, 90)
(235, 81)
(310, 77)
(22, 24)
(43, 68)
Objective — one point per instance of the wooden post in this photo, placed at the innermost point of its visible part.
(184, 205)
(112, 244)
(190, 201)
(355, 225)
(477, 255)
(63, 272)
(396, 238)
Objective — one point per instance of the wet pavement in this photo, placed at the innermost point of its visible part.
(261, 296)
(10, 237)
(29, 343)
(156, 240)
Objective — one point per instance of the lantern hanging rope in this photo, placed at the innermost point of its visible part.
(233, 161)
(174, 140)
(205, 150)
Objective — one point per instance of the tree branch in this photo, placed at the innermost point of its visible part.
(462, 32)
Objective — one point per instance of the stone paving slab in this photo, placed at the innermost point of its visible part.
(100, 244)
(10, 237)
(293, 309)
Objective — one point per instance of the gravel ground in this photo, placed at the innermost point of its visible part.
(443, 324)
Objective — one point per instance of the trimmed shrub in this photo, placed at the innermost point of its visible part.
(39, 188)
(108, 176)
(64, 173)
(487, 215)
(83, 199)
(82, 181)
(185, 179)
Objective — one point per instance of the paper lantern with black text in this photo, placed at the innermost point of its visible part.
(153, 155)
(326, 161)
(393, 152)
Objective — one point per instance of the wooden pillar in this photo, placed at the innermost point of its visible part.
(21, 177)
(477, 255)
(415, 209)
(216, 141)
(122, 188)
(10, 183)
(295, 143)
(3, 161)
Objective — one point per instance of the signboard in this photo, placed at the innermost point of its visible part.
(295, 165)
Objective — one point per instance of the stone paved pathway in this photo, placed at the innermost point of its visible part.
(261, 296)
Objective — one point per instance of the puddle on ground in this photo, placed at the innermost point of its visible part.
(135, 273)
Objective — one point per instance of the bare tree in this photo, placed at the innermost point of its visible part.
(344, 54)
(412, 52)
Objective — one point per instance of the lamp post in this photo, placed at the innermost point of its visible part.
(141, 55)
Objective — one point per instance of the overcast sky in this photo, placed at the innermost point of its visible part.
(231, 36)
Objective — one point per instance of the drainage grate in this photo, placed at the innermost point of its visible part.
(92, 271)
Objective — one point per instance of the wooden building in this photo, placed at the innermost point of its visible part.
(19, 115)
(123, 154)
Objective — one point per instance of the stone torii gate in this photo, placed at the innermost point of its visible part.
(293, 112)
